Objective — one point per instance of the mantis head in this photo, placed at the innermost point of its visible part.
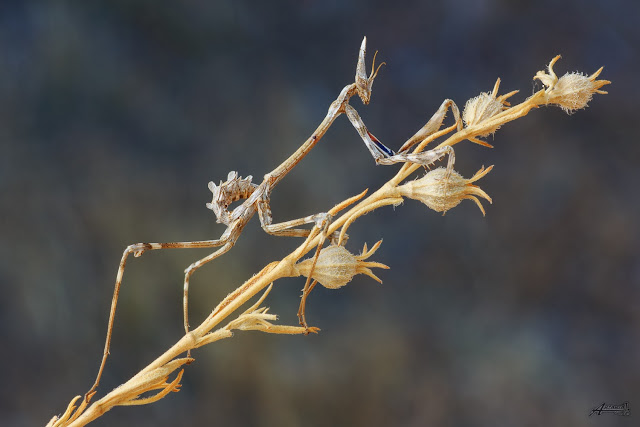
(364, 82)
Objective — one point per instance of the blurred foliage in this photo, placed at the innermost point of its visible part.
(115, 115)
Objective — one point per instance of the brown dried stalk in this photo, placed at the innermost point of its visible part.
(440, 189)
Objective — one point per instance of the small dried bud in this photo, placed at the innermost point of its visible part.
(336, 266)
(442, 194)
(485, 106)
(572, 91)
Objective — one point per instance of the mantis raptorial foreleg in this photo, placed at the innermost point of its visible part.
(385, 156)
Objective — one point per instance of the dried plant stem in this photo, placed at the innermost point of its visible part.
(202, 335)
(470, 132)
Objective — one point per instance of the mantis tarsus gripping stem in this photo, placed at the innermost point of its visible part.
(257, 196)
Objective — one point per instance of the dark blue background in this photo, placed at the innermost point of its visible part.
(115, 115)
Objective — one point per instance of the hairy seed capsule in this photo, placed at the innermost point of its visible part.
(442, 194)
(484, 106)
(572, 91)
(481, 108)
(336, 266)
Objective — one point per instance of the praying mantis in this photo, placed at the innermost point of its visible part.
(257, 196)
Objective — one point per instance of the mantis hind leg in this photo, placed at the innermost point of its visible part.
(191, 269)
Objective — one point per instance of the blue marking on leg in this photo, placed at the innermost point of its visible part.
(386, 150)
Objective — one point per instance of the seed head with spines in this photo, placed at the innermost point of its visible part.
(571, 92)
(441, 193)
(485, 106)
(336, 266)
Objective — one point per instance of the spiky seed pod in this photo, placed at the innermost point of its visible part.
(485, 106)
(441, 194)
(571, 92)
(336, 266)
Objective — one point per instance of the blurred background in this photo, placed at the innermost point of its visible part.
(115, 115)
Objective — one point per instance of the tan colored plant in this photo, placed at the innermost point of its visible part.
(332, 266)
